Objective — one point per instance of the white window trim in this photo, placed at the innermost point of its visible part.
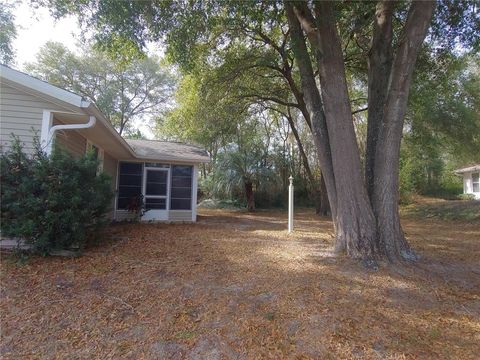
(47, 121)
(473, 183)
(194, 192)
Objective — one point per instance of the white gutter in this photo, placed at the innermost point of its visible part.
(91, 109)
(91, 122)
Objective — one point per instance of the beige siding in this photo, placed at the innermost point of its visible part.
(110, 167)
(70, 140)
(21, 114)
(180, 215)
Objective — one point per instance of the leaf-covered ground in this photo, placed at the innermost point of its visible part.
(424, 207)
(237, 286)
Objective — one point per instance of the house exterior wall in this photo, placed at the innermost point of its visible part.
(70, 140)
(29, 108)
(468, 184)
(110, 167)
(168, 214)
(21, 113)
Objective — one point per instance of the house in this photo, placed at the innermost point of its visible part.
(471, 179)
(165, 173)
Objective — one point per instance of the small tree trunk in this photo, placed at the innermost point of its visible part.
(250, 196)
(314, 105)
(324, 203)
(387, 157)
(356, 226)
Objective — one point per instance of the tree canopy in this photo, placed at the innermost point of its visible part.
(126, 93)
(8, 33)
(328, 62)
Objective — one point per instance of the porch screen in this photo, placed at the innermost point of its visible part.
(129, 184)
(181, 188)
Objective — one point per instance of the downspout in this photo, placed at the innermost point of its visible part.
(91, 122)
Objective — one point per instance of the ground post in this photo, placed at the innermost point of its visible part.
(290, 205)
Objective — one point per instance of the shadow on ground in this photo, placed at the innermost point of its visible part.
(237, 286)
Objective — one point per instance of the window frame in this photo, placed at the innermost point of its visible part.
(476, 182)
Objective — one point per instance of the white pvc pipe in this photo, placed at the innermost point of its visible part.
(91, 122)
(290, 205)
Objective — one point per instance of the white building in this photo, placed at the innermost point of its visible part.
(471, 179)
(163, 173)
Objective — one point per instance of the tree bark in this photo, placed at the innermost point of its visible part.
(355, 222)
(366, 227)
(324, 209)
(380, 60)
(387, 155)
(250, 196)
(314, 106)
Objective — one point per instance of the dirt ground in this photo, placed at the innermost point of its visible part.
(237, 286)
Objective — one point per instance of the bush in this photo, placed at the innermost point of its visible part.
(56, 202)
(467, 197)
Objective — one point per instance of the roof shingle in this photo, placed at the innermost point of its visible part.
(168, 151)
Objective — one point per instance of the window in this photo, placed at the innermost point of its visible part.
(181, 188)
(476, 182)
(157, 165)
(129, 184)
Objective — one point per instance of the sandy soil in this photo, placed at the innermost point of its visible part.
(237, 286)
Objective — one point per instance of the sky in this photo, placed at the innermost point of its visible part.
(35, 27)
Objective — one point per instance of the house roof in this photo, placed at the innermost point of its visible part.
(42, 86)
(469, 168)
(141, 149)
(168, 151)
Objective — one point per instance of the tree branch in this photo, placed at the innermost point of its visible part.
(359, 110)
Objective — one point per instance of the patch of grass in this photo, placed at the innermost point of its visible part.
(221, 204)
(185, 335)
(445, 210)
(435, 333)
(18, 257)
(270, 316)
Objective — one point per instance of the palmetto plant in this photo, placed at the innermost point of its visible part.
(245, 172)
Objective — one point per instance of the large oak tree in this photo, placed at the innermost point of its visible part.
(388, 38)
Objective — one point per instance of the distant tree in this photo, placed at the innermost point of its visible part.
(8, 33)
(443, 124)
(125, 93)
(201, 116)
(243, 169)
(332, 43)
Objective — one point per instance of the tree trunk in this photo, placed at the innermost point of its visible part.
(380, 60)
(314, 105)
(365, 227)
(250, 196)
(356, 226)
(354, 220)
(387, 156)
(322, 205)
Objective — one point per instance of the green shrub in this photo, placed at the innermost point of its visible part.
(467, 197)
(56, 202)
